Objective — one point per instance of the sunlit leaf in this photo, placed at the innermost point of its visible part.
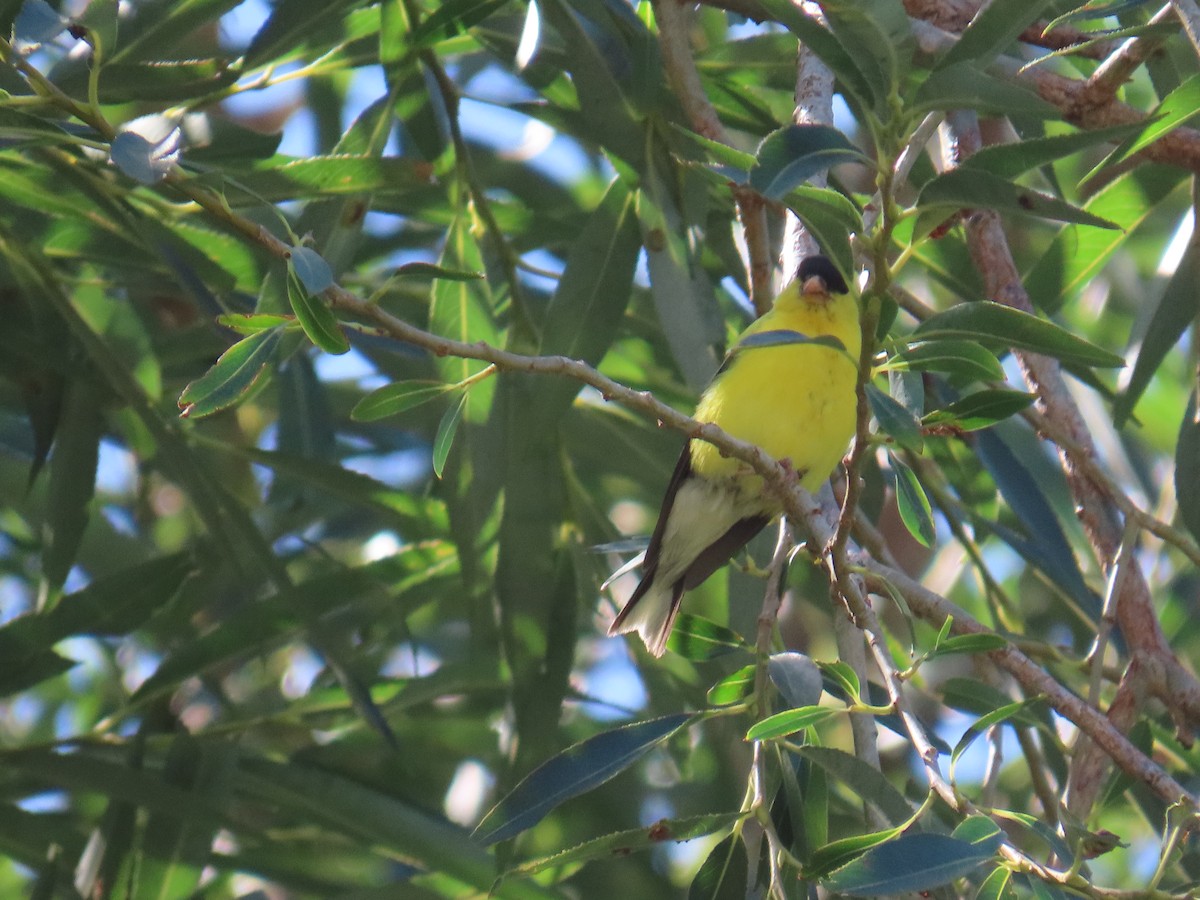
(233, 375)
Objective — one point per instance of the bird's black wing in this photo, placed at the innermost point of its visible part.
(722, 549)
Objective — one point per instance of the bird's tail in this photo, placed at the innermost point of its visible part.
(650, 612)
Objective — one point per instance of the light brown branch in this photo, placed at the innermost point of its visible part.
(1157, 668)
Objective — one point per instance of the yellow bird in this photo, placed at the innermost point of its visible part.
(789, 388)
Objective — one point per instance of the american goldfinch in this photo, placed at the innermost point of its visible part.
(786, 386)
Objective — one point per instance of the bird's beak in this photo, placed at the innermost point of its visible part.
(814, 285)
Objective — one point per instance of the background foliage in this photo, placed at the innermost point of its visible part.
(299, 639)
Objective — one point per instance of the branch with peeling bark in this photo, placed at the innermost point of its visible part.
(1154, 668)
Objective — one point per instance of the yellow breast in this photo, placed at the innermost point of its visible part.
(795, 400)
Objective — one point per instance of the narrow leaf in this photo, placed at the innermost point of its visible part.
(733, 687)
(788, 722)
(914, 506)
(980, 409)
(444, 438)
(863, 779)
(966, 188)
(1176, 109)
(960, 358)
(397, 397)
(912, 862)
(315, 317)
(1187, 468)
(994, 324)
(232, 377)
(964, 85)
(993, 30)
(623, 843)
(1011, 160)
(1178, 308)
(996, 886)
(577, 769)
(431, 271)
(790, 156)
(831, 219)
(895, 420)
(724, 874)
(697, 638)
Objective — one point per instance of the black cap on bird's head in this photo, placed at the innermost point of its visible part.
(817, 275)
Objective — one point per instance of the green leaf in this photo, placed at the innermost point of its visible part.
(838, 853)
(433, 272)
(463, 311)
(575, 770)
(788, 722)
(72, 480)
(397, 397)
(368, 814)
(912, 862)
(294, 23)
(787, 158)
(912, 503)
(964, 359)
(1079, 252)
(797, 678)
(724, 874)
(247, 323)
(623, 843)
(863, 779)
(966, 188)
(585, 314)
(1178, 308)
(450, 19)
(232, 377)
(1187, 467)
(878, 38)
(895, 420)
(828, 48)
(315, 316)
(168, 26)
(112, 605)
(1011, 160)
(697, 638)
(996, 886)
(1176, 109)
(446, 430)
(728, 157)
(682, 291)
(831, 219)
(16, 126)
(996, 325)
(842, 675)
(1016, 709)
(964, 86)
(980, 409)
(969, 643)
(314, 273)
(1047, 546)
(284, 178)
(159, 81)
(733, 687)
(993, 30)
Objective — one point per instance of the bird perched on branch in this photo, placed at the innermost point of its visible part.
(788, 385)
